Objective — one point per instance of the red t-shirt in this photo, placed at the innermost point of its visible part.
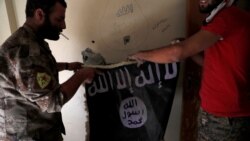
(225, 89)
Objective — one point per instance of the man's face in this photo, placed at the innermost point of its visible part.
(206, 6)
(54, 23)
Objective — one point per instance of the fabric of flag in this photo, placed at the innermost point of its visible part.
(131, 103)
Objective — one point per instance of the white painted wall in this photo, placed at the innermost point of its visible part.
(4, 22)
(151, 24)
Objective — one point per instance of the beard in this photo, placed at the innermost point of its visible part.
(209, 8)
(48, 31)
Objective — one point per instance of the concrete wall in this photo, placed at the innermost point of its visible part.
(102, 26)
(4, 24)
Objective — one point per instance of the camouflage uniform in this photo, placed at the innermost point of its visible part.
(30, 100)
(213, 128)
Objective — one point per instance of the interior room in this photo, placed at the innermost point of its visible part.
(116, 29)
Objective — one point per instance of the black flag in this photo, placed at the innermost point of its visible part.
(131, 103)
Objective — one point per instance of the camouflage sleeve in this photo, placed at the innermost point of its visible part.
(36, 77)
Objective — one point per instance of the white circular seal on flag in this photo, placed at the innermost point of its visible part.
(133, 112)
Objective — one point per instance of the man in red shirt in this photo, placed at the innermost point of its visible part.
(225, 89)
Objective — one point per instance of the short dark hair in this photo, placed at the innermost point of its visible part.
(45, 5)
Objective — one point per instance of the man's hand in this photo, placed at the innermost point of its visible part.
(136, 57)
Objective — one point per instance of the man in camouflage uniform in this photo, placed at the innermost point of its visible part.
(30, 94)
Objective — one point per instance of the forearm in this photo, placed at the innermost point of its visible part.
(73, 66)
(180, 51)
(81, 76)
(62, 66)
(168, 54)
(70, 87)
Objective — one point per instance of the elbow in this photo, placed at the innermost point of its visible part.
(64, 92)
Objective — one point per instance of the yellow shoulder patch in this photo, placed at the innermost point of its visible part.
(43, 79)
